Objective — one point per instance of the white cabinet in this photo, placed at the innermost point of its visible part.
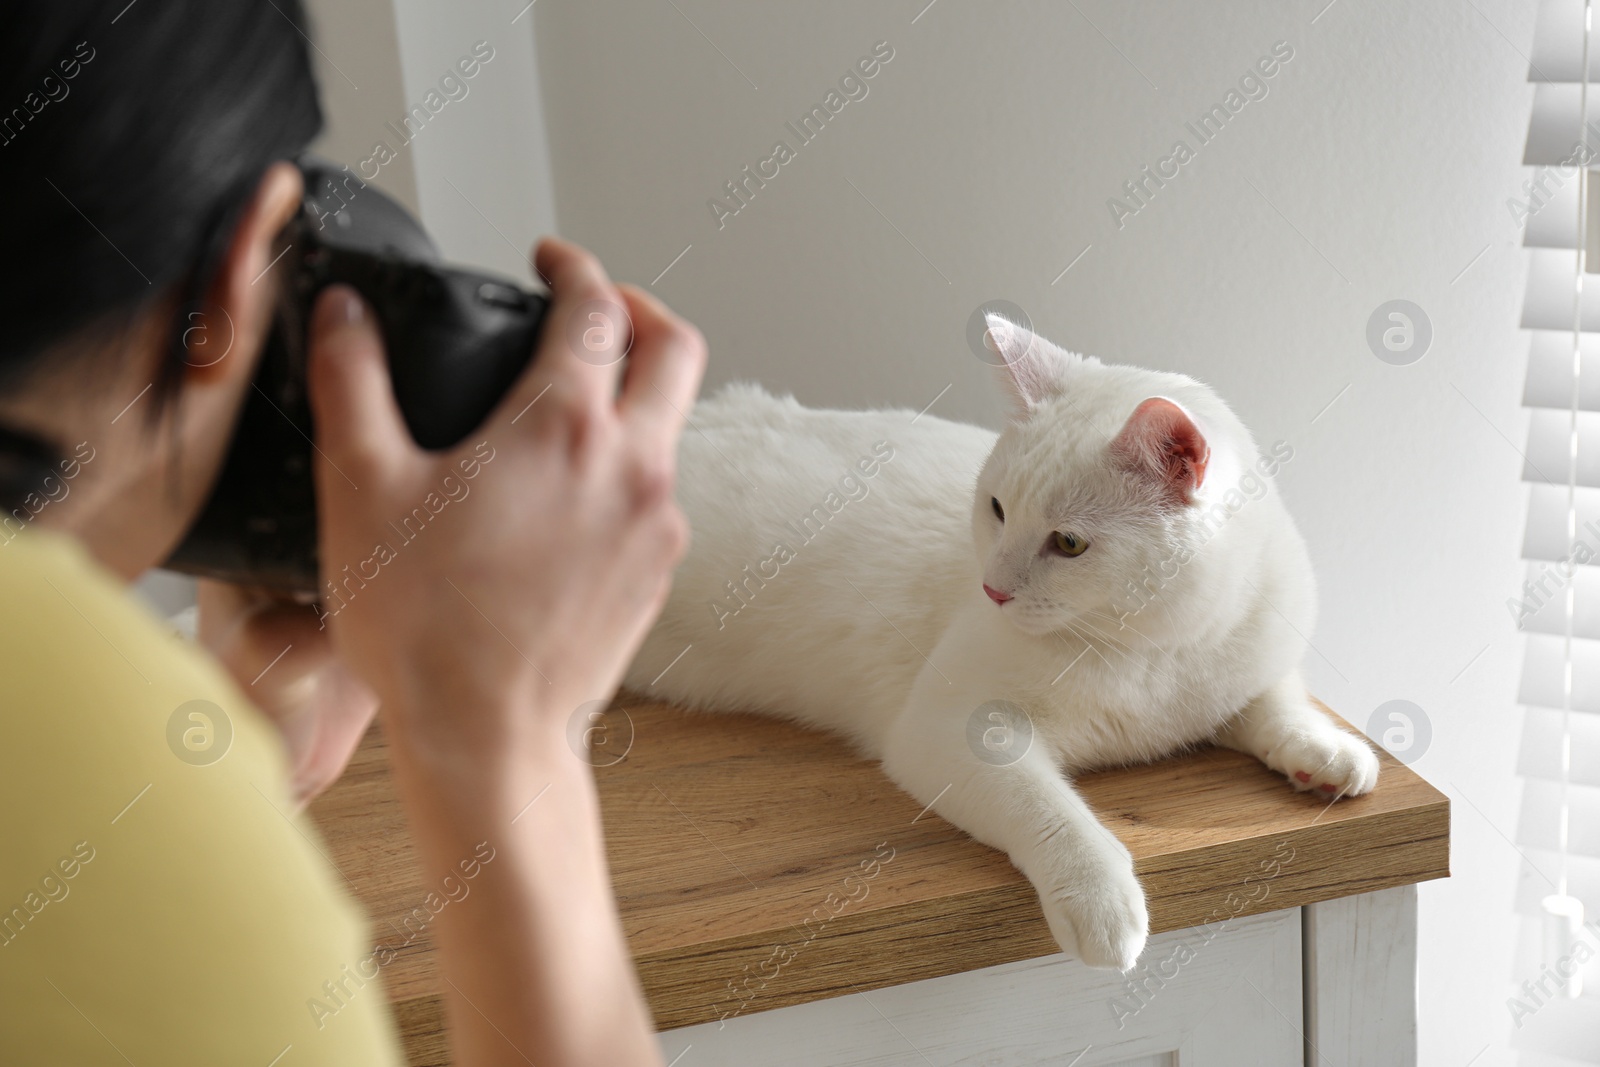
(1228, 995)
(1207, 997)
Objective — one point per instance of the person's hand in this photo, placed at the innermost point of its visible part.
(284, 661)
(489, 590)
(486, 593)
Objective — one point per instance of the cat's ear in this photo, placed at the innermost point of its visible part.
(1031, 368)
(1162, 443)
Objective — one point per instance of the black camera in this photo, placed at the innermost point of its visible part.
(456, 341)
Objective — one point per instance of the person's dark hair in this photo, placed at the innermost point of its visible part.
(132, 135)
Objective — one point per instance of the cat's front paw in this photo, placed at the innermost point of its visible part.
(1331, 762)
(1101, 919)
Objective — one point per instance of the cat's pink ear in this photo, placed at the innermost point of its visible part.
(1031, 368)
(1161, 442)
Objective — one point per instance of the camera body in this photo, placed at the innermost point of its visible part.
(456, 340)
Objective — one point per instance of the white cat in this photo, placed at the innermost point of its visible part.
(1122, 584)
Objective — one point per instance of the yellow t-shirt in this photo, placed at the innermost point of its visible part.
(158, 904)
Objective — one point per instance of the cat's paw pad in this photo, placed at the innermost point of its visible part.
(1332, 763)
(1105, 925)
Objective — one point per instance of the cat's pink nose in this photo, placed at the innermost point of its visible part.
(996, 595)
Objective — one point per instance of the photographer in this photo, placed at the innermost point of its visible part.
(158, 909)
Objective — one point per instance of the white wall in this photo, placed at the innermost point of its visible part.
(482, 163)
(1377, 168)
(477, 170)
(357, 64)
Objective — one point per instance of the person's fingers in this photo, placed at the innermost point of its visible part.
(359, 424)
(585, 335)
(247, 626)
(664, 369)
(570, 269)
(224, 608)
(322, 732)
(278, 653)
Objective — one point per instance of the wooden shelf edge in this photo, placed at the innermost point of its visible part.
(949, 935)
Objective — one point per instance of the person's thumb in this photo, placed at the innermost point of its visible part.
(358, 423)
(322, 729)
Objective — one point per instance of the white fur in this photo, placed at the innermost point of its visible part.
(877, 627)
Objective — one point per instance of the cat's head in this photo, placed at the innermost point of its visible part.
(1089, 488)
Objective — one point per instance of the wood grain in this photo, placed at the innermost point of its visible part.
(727, 835)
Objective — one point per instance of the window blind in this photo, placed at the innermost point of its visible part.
(1558, 607)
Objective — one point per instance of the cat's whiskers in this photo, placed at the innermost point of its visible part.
(1148, 645)
(1094, 643)
(1152, 665)
(1089, 645)
(1121, 627)
(1100, 635)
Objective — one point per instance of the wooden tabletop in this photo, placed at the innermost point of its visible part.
(760, 865)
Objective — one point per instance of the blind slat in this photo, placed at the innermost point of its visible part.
(1553, 128)
(1542, 671)
(1539, 824)
(1549, 381)
(1545, 535)
(1547, 299)
(1550, 442)
(1558, 45)
(1551, 207)
(1545, 590)
(1539, 755)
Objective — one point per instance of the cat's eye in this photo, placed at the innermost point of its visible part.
(1068, 544)
(999, 512)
